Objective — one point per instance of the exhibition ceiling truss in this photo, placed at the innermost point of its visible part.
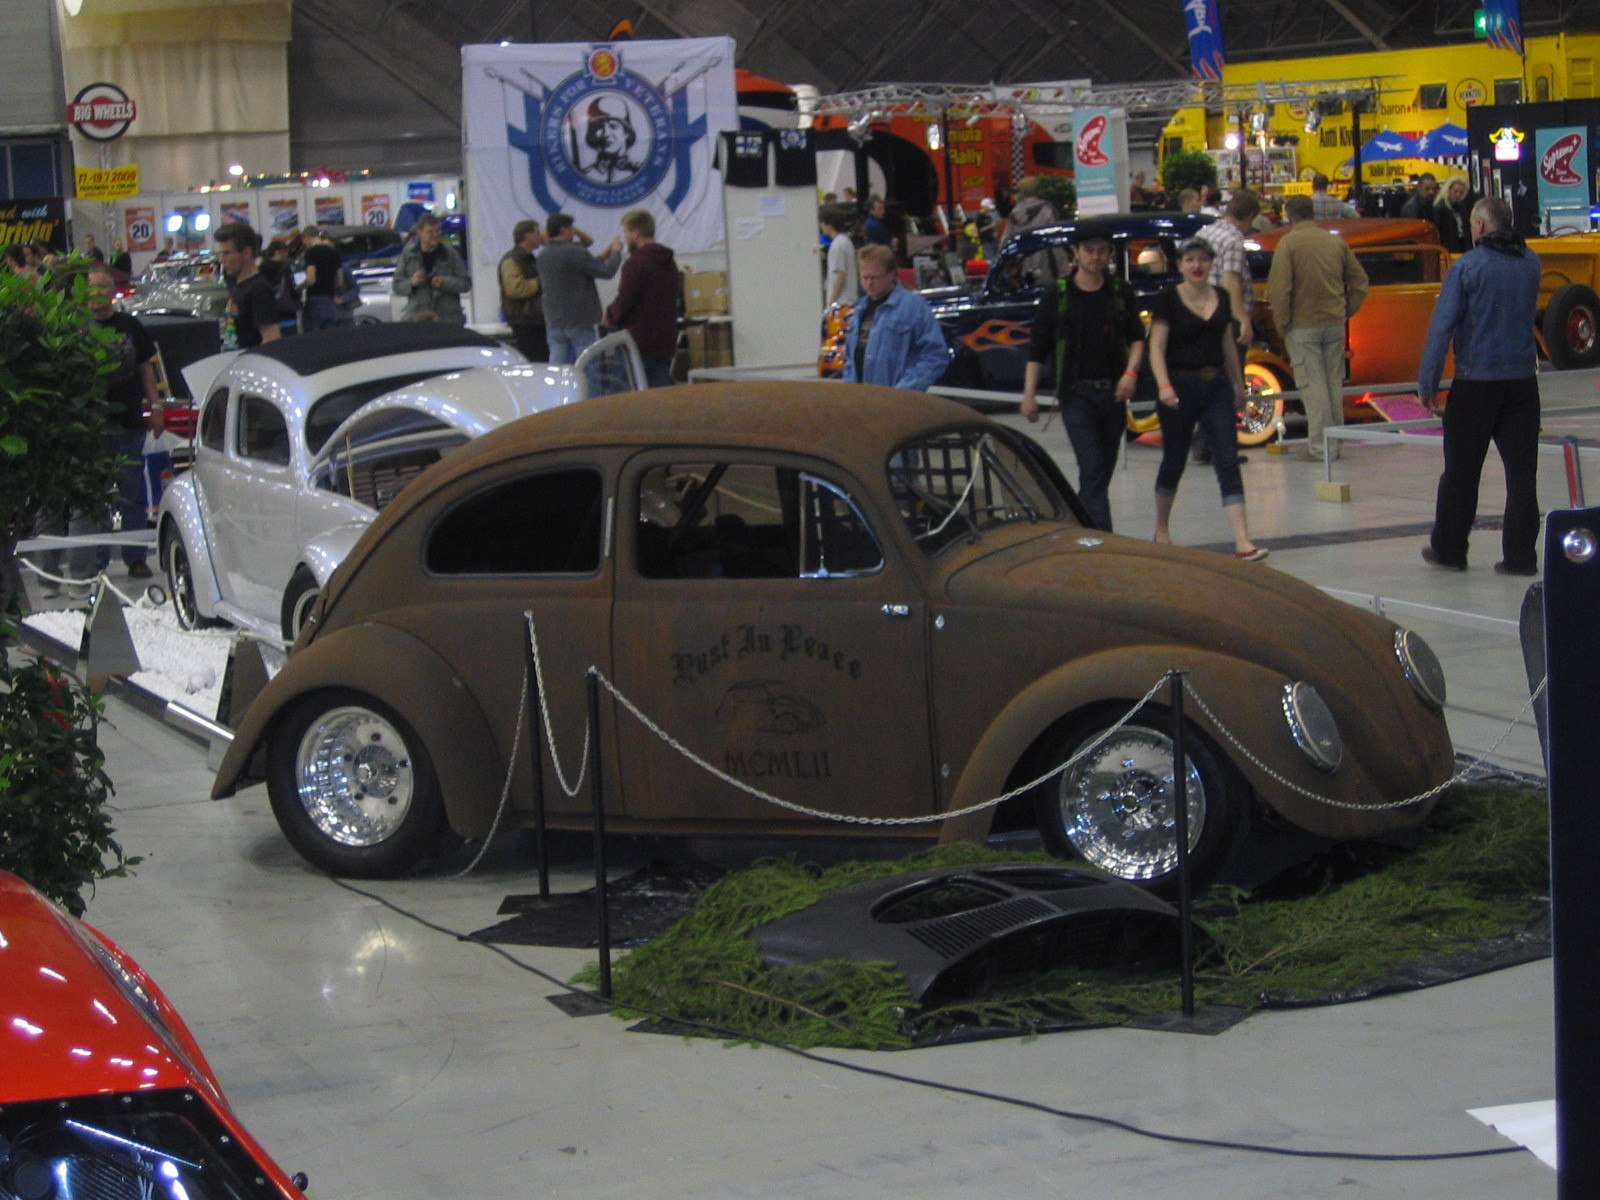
(1041, 101)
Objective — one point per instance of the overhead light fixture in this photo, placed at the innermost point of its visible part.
(1314, 116)
(934, 134)
(974, 119)
(174, 222)
(235, 169)
(1258, 119)
(202, 221)
(1231, 141)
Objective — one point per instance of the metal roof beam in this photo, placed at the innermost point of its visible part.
(1361, 27)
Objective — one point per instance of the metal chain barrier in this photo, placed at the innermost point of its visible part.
(103, 580)
(505, 791)
(1459, 777)
(544, 711)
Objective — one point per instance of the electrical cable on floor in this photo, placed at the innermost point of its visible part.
(957, 1089)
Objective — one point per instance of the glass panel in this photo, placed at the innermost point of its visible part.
(957, 484)
(263, 434)
(545, 524)
(332, 410)
(835, 539)
(213, 421)
(719, 521)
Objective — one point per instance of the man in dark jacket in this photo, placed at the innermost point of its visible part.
(1486, 307)
(567, 271)
(519, 292)
(1088, 325)
(648, 298)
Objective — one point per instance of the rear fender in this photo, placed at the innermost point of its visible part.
(180, 517)
(326, 551)
(404, 674)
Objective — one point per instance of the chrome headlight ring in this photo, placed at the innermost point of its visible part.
(1312, 726)
(1421, 667)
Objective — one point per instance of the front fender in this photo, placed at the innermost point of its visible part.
(327, 550)
(404, 674)
(1247, 699)
(179, 516)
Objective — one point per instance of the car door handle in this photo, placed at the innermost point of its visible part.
(897, 610)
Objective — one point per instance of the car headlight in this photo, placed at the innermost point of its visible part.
(1312, 725)
(1421, 667)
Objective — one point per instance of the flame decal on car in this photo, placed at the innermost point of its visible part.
(997, 335)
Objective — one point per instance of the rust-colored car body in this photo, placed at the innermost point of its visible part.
(920, 687)
(1405, 265)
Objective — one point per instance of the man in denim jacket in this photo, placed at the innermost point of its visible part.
(1487, 308)
(893, 338)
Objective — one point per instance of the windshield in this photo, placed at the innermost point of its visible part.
(957, 484)
(152, 1144)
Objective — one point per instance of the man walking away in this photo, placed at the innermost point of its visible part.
(1314, 287)
(1486, 309)
(1089, 324)
(519, 292)
(1326, 207)
(567, 272)
(893, 338)
(325, 281)
(432, 276)
(252, 314)
(649, 297)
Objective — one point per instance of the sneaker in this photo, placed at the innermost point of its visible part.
(1431, 557)
(1502, 568)
(1256, 555)
(139, 570)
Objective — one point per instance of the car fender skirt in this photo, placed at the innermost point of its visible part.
(398, 669)
(1248, 700)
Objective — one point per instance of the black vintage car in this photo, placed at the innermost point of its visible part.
(988, 319)
(988, 322)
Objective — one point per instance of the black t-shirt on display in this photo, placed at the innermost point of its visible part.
(252, 306)
(1193, 344)
(326, 260)
(133, 348)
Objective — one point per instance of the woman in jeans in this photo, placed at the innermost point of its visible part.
(1196, 364)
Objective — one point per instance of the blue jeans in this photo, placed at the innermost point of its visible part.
(569, 341)
(1095, 420)
(81, 563)
(658, 372)
(1209, 404)
(320, 313)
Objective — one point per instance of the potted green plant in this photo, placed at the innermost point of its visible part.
(1188, 169)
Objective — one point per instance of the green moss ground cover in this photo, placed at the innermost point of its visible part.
(1358, 915)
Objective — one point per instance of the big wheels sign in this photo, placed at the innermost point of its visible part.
(101, 112)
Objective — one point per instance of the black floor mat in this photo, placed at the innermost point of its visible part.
(640, 906)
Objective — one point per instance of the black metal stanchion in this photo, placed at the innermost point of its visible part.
(1572, 640)
(1180, 800)
(597, 792)
(536, 755)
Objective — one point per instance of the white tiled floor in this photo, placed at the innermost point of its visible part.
(389, 1060)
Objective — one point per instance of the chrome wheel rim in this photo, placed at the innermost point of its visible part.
(1262, 405)
(298, 611)
(354, 776)
(1581, 329)
(182, 584)
(1117, 805)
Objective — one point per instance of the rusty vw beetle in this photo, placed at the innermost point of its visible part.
(868, 602)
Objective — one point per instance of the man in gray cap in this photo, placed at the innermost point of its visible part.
(1088, 325)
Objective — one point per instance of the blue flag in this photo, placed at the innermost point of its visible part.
(1503, 19)
(1205, 37)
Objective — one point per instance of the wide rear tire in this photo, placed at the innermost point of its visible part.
(1572, 327)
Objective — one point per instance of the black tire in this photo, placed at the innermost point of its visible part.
(298, 598)
(180, 582)
(1572, 327)
(1123, 822)
(353, 787)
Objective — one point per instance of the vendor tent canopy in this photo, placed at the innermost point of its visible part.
(1388, 145)
(1447, 141)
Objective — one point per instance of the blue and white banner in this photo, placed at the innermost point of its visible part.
(594, 130)
(1503, 24)
(1204, 24)
(1100, 160)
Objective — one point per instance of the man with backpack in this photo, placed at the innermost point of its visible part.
(1088, 325)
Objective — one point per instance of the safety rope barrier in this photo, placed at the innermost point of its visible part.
(639, 715)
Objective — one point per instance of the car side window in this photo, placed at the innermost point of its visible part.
(262, 433)
(214, 421)
(550, 523)
(749, 521)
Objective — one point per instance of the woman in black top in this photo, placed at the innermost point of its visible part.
(1196, 364)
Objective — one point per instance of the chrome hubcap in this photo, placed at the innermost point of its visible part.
(1581, 329)
(182, 585)
(354, 776)
(1117, 805)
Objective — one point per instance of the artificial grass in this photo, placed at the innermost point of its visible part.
(1359, 915)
